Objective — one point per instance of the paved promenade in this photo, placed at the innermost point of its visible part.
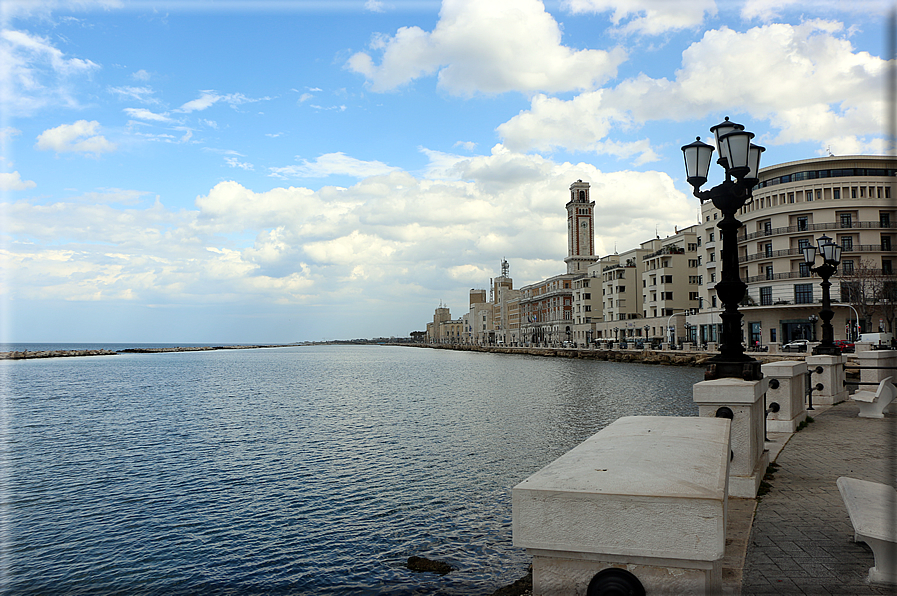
(801, 541)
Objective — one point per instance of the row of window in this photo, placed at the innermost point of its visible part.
(817, 174)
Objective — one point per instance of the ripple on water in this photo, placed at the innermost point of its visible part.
(291, 471)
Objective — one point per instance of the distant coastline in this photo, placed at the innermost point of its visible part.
(29, 355)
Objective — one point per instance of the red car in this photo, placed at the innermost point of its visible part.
(845, 345)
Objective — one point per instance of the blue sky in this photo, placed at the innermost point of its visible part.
(288, 170)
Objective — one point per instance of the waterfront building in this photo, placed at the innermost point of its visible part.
(580, 229)
(443, 329)
(847, 198)
(479, 329)
(665, 290)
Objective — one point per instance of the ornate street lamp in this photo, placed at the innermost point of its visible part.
(831, 258)
(741, 160)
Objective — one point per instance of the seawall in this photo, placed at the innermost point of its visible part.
(665, 357)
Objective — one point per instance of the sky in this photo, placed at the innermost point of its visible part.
(275, 171)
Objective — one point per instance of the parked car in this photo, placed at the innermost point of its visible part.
(845, 345)
(798, 345)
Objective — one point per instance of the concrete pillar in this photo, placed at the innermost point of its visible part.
(832, 378)
(745, 400)
(877, 358)
(791, 377)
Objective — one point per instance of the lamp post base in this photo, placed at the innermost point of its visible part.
(747, 369)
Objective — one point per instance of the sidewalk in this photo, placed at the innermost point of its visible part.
(801, 540)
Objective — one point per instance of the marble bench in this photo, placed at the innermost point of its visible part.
(871, 508)
(872, 405)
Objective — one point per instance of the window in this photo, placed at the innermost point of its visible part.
(587, 296)
(711, 237)
(846, 220)
(802, 243)
(886, 267)
(846, 243)
(699, 241)
(804, 269)
(667, 295)
(713, 277)
(803, 293)
(802, 223)
(836, 193)
(769, 273)
(693, 296)
(712, 257)
(767, 227)
(766, 296)
(768, 249)
(884, 220)
(885, 242)
(621, 289)
(666, 279)
(850, 290)
(847, 266)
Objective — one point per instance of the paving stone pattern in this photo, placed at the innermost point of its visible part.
(802, 540)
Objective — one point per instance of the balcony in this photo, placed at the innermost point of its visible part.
(813, 227)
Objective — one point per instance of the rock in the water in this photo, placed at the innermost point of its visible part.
(422, 564)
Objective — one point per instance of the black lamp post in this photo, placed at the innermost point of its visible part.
(741, 160)
(831, 258)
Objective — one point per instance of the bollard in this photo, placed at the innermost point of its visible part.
(788, 392)
(745, 400)
(831, 378)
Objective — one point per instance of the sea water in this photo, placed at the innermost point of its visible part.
(299, 470)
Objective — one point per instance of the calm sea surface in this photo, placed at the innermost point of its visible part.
(300, 470)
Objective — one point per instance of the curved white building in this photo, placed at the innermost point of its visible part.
(850, 199)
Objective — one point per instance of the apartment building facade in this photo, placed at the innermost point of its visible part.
(665, 290)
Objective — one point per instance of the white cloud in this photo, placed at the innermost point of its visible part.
(236, 163)
(207, 99)
(141, 94)
(806, 80)
(35, 73)
(374, 6)
(80, 137)
(143, 114)
(390, 238)
(487, 47)
(141, 75)
(650, 17)
(210, 98)
(13, 181)
(331, 164)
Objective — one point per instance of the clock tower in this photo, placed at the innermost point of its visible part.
(580, 229)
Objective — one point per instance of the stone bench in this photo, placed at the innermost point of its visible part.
(643, 499)
(871, 507)
(872, 405)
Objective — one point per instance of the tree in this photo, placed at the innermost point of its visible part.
(870, 289)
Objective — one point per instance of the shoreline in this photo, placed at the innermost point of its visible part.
(663, 357)
(26, 355)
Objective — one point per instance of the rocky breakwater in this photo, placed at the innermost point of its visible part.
(26, 355)
(663, 357)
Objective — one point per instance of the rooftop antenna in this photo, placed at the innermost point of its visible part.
(829, 149)
(504, 267)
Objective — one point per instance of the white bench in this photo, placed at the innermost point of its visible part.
(871, 507)
(872, 405)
